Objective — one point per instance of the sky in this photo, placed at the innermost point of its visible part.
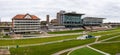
(108, 9)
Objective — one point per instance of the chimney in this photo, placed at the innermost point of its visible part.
(47, 19)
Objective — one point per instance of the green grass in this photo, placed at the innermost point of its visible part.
(65, 53)
(52, 48)
(105, 32)
(111, 48)
(6, 36)
(49, 48)
(64, 32)
(35, 40)
(85, 51)
(114, 32)
(108, 36)
(114, 39)
(41, 40)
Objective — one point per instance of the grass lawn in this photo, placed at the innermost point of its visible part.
(114, 32)
(35, 40)
(105, 32)
(41, 40)
(49, 48)
(64, 32)
(114, 39)
(85, 51)
(65, 53)
(52, 48)
(111, 48)
(108, 36)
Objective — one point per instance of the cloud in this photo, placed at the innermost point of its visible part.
(98, 8)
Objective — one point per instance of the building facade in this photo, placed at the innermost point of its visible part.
(54, 22)
(5, 27)
(60, 16)
(69, 19)
(25, 23)
(92, 21)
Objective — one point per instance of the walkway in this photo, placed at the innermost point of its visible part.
(49, 35)
(98, 50)
(74, 48)
(37, 43)
(53, 35)
(111, 42)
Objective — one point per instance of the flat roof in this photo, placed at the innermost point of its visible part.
(73, 14)
(93, 18)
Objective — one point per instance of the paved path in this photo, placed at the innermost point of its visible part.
(70, 49)
(98, 50)
(54, 42)
(38, 43)
(49, 35)
(74, 48)
(111, 42)
(110, 38)
(44, 42)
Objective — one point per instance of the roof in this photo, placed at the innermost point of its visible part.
(22, 17)
(73, 14)
(93, 18)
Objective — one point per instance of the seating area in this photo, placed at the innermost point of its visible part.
(95, 28)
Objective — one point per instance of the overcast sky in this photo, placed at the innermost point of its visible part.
(109, 9)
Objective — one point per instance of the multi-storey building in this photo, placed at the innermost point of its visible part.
(69, 19)
(60, 16)
(22, 23)
(92, 21)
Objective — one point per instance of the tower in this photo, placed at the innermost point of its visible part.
(47, 19)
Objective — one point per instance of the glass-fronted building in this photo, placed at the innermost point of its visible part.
(92, 21)
(70, 20)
